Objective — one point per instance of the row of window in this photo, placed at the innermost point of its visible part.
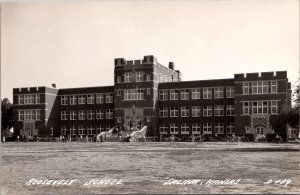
(207, 93)
(260, 87)
(133, 77)
(260, 107)
(32, 114)
(196, 128)
(82, 130)
(87, 114)
(139, 77)
(195, 111)
(25, 99)
(88, 98)
(134, 94)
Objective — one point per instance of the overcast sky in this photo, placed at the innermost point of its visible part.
(73, 44)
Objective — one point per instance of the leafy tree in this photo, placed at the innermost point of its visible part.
(6, 114)
(293, 113)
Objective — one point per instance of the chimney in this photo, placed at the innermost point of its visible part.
(53, 85)
(171, 65)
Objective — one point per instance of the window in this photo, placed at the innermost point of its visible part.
(195, 94)
(265, 87)
(185, 94)
(207, 128)
(64, 100)
(163, 95)
(260, 87)
(109, 98)
(63, 130)
(207, 111)
(246, 88)
(108, 127)
(163, 129)
(29, 99)
(260, 107)
(219, 110)
(118, 92)
(173, 94)
(185, 128)
(81, 130)
(230, 128)
(196, 128)
(90, 99)
(91, 130)
(20, 115)
(64, 115)
(229, 92)
(29, 115)
(81, 115)
(99, 129)
(148, 119)
(148, 77)
(219, 128)
(140, 94)
(81, 99)
(119, 120)
(274, 107)
(90, 115)
(173, 128)
(273, 86)
(218, 92)
(100, 114)
(119, 79)
(127, 77)
(21, 99)
(37, 98)
(73, 115)
(229, 110)
(196, 111)
(173, 112)
(207, 93)
(72, 130)
(72, 99)
(99, 98)
(134, 94)
(246, 108)
(38, 114)
(109, 114)
(163, 112)
(139, 77)
(127, 95)
(185, 111)
(148, 91)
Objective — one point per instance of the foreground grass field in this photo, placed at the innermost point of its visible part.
(145, 167)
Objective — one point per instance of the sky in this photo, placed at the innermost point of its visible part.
(74, 43)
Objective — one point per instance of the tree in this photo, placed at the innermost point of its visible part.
(6, 114)
(293, 113)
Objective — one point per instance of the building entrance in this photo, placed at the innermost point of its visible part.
(133, 117)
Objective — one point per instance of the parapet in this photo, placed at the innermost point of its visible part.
(239, 76)
(149, 59)
(261, 76)
(145, 60)
(29, 90)
(253, 76)
(281, 74)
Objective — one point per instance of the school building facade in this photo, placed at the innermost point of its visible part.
(146, 92)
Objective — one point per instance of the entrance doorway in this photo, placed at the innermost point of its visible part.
(259, 130)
